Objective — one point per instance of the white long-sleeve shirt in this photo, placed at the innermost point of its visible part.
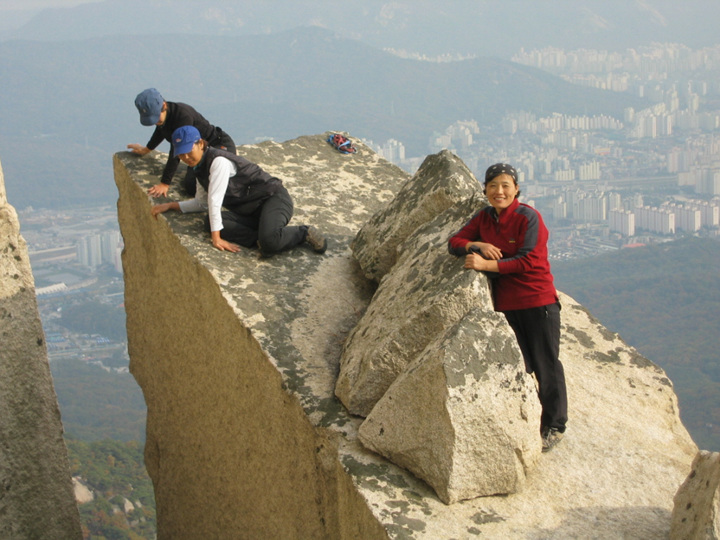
(220, 172)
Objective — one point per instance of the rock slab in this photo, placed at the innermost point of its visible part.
(36, 490)
(436, 371)
(441, 181)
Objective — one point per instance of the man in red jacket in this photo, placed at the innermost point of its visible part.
(508, 242)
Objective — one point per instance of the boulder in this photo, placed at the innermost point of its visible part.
(441, 181)
(238, 384)
(696, 512)
(419, 299)
(245, 432)
(397, 365)
(464, 416)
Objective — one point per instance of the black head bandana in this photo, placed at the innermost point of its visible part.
(498, 169)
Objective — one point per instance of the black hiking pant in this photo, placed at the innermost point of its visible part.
(538, 335)
(266, 228)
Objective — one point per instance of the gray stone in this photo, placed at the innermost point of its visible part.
(696, 512)
(443, 418)
(238, 381)
(36, 490)
(417, 301)
(441, 181)
(398, 364)
(464, 416)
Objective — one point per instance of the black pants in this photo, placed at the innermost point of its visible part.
(223, 141)
(266, 228)
(538, 335)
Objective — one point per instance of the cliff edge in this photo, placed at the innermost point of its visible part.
(238, 359)
(36, 490)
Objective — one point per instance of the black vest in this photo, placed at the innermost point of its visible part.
(247, 190)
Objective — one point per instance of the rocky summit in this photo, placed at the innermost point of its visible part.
(372, 392)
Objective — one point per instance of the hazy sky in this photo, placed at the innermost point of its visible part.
(40, 4)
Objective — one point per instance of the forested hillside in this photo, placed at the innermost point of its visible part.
(123, 504)
(665, 301)
(97, 404)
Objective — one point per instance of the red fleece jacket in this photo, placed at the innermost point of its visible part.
(525, 280)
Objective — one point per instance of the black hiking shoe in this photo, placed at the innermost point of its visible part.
(550, 438)
(316, 240)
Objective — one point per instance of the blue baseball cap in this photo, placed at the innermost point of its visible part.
(183, 139)
(149, 103)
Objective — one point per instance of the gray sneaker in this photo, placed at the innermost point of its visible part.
(550, 438)
(316, 240)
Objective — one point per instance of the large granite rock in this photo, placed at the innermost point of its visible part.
(238, 359)
(36, 490)
(457, 409)
(696, 514)
(416, 302)
(441, 181)
(464, 416)
(236, 355)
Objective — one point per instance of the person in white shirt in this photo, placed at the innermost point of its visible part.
(258, 207)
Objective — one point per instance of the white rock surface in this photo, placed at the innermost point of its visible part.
(421, 297)
(83, 494)
(464, 416)
(441, 181)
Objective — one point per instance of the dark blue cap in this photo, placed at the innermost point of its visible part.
(149, 102)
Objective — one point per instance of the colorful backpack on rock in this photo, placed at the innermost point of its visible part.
(341, 143)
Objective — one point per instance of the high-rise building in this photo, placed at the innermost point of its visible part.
(622, 221)
(709, 182)
(96, 249)
(687, 217)
(710, 212)
(614, 201)
(655, 220)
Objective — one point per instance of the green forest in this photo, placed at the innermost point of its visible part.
(664, 300)
(97, 404)
(103, 415)
(123, 507)
(95, 317)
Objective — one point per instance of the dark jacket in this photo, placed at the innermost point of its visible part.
(247, 190)
(178, 115)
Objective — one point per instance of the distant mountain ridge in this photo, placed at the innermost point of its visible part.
(68, 106)
(480, 27)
